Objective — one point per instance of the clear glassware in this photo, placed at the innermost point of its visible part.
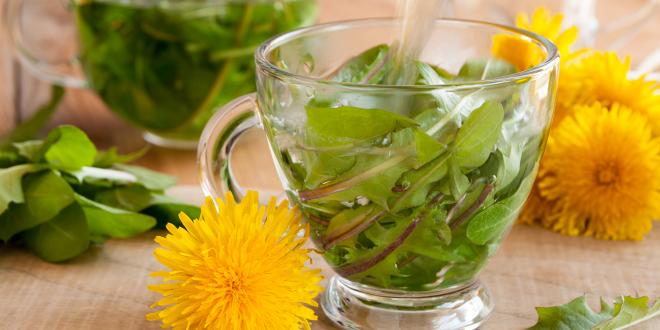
(408, 189)
(163, 66)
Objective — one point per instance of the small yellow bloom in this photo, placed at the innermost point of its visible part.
(240, 266)
(522, 52)
(601, 174)
(605, 78)
(536, 208)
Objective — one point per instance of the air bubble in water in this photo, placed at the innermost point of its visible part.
(362, 200)
(348, 203)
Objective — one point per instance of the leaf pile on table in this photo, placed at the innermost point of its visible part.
(60, 194)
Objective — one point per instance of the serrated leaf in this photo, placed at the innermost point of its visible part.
(629, 311)
(577, 315)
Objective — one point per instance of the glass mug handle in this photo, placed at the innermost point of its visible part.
(67, 73)
(216, 143)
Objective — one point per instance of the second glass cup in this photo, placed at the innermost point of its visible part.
(163, 66)
(408, 190)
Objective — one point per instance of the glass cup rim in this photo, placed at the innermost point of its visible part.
(262, 52)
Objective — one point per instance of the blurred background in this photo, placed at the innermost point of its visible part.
(630, 27)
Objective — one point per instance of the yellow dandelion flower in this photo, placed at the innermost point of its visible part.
(536, 208)
(521, 52)
(602, 174)
(604, 78)
(240, 266)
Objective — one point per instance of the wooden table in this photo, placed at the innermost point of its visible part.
(106, 287)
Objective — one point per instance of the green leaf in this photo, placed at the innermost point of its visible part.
(10, 157)
(629, 311)
(347, 125)
(107, 158)
(426, 148)
(418, 183)
(431, 236)
(28, 129)
(136, 198)
(458, 182)
(150, 179)
(376, 189)
(366, 67)
(509, 160)
(46, 194)
(62, 238)
(11, 187)
(485, 69)
(430, 76)
(104, 177)
(30, 149)
(105, 221)
(492, 221)
(488, 223)
(67, 147)
(132, 198)
(324, 166)
(476, 138)
(169, 212)
(379, 174)
(577, 315)
(348, 219)
(16, 219)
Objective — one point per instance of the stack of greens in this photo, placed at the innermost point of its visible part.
(166, 65)
(412, 191)
(59, 194)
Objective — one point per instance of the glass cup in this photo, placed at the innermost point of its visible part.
(408, 189)
(163, 66)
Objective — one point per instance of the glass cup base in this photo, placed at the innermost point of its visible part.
(164, 142)
(353, 306)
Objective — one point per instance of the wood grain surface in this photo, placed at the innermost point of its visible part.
(106, 287)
